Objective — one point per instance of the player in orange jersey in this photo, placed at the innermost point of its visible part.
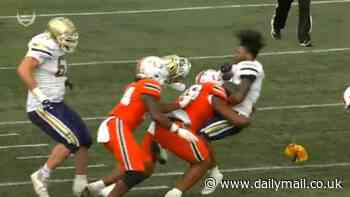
(210, 98)
(116, 132)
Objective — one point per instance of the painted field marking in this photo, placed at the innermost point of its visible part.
(22, 146)
(273, 53)
(251, 169)
(166, 10)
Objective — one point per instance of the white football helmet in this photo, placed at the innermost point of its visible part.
(209, 76)
(346, 98)
(64, 32)
(152, 67)
(178, 67)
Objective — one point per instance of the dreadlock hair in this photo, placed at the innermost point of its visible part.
(252, 40)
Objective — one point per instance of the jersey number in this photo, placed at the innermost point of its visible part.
(127, 96)
(61, 67)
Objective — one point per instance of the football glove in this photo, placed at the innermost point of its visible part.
(297, 152)
(68, 83)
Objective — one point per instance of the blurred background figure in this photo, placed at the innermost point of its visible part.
(279, 19)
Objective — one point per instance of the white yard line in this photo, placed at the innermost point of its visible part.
(251, 169)
(33, 157)
(11, 184)
(166, 10)
(259, 109)
(89, 166)
(276, 53)
(9, 134)
(22, 146)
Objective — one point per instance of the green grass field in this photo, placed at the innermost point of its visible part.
(301, 77)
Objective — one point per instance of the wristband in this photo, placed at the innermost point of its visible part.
(174, 127)
(39, 94)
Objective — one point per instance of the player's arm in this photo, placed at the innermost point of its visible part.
(169, 107)
(238, 93)
(155, 111)
(25, 71)
(221, 107)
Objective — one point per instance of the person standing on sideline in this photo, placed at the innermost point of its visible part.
(279, 19)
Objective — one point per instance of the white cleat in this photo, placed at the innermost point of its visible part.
(39, 184)
(174, 193)
(90, 191)
(106, 191)
(209, 189)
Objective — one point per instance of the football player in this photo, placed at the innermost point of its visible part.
(243, 83)
(43, 71)
(208, 97)
(116, 132)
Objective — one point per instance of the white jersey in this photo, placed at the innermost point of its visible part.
(50, 74)
(248, 68)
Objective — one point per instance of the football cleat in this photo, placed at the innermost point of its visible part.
(346, 99)
(276, 34)
(306, 43)
(297, 152)
(209, 190)
(64, 32)
(39, 184)
(90, 191)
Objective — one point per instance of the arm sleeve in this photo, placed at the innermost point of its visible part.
(151, 88)
(38, 51)
(219, 92)
(247, 68)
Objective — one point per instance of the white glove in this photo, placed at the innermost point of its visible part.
(178, 86)
(193, 91)
(184, 101)
(187, 135)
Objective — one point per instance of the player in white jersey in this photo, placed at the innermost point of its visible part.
(43, 71)
(243, 83)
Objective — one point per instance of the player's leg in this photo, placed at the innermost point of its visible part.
(279, 18)
(196, 154)
(216, 129)
(214, 172)
(130, 157)
(305, 23)
(75, 124)
(51, 123)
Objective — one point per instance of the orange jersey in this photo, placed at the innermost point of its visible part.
(200, 110)
(131, 109)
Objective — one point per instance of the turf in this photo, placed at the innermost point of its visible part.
(295, 79)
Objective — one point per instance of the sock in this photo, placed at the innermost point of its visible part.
(79, 184)
(45, 171)
(174, 193)
(81, 177)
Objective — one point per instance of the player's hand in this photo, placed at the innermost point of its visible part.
(187, 135)
(184, 101)
(47, 105)
(224, 68)
(68, 83)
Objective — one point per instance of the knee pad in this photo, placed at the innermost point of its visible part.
(132, 178)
